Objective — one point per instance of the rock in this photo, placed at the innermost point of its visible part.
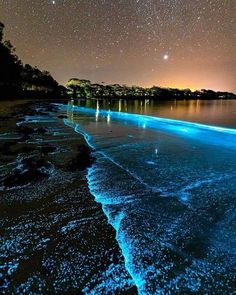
(5, 148)
(4, 118)
(51, 108)
(2, 282)
(40, 130)
(25, 130)
(82, 160)
(28, 131)
(27, 171)
(62, 117)
(13, 148)
(47, 149)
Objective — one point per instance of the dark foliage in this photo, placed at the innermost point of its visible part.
(23, 81)
(77, 88)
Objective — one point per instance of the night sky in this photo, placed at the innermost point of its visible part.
(176, 43)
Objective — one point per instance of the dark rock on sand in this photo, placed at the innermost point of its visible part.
(82, 160)
(13, 148)
(40, 130)
(2, 282)
(5, 148)
(27, 132)
(62, 117)
(47, 149)
(27, 171)
(4, 118)
(50, 108)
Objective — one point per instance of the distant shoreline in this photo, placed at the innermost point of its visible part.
(108, 98)
(150, 98)
(80, 88)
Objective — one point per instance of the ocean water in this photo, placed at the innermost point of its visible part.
(168, 187)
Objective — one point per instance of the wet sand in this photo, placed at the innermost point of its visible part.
(54, 237)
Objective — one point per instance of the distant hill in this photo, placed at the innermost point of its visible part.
(23, 81)
(80, 88)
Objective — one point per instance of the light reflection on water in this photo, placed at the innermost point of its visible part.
(168, 188)
(211, 112)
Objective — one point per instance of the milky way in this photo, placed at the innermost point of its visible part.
(176, 43)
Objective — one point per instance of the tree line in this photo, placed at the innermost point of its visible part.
(23, 81)
(80, 88)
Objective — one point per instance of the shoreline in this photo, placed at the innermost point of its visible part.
(147, 203)
(54, 235)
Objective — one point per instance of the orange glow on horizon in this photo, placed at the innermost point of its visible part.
(193, 85)
(179, 86)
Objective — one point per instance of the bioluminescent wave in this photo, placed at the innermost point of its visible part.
(168, 188)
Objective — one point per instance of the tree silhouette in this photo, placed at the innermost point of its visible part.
(1, 31)
(10, 66)
(85, 89)
(17, 80)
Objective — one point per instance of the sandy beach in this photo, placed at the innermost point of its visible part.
(54, 237)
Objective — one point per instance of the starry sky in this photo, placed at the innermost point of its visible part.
(174, 43)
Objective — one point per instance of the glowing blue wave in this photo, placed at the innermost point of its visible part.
(144, 119)
(186, 194)
(115, 220)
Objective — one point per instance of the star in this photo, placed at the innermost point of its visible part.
(129, 38)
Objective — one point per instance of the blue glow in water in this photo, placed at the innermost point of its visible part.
(168, 189)
(183, 126)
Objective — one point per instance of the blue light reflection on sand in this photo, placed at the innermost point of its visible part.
(169, 192)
